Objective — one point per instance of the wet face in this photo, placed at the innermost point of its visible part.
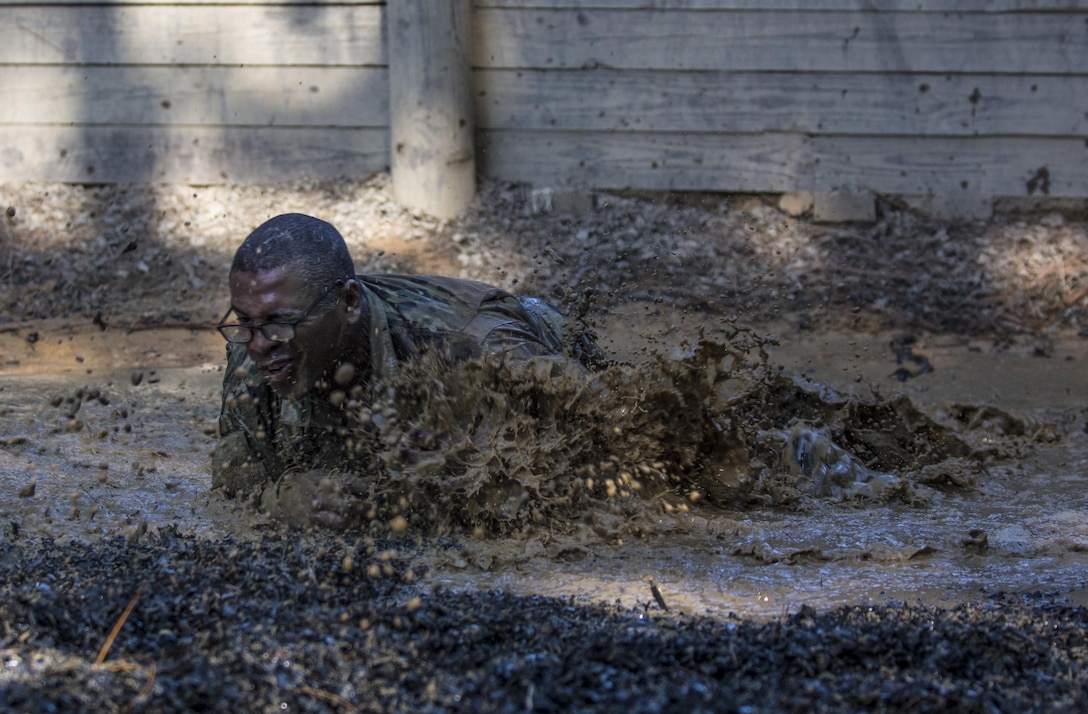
(294, 367)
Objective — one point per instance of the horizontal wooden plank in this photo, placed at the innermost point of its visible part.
(237, 97)
(231, 35)
(720, 40)
(124, 3)
(745, 102)
(1032, 43)
(578, 100)
(729, 163)
(192, 155)
(778, 5)
(345, 97)
(787, 162)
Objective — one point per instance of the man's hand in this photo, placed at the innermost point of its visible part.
(321, 498)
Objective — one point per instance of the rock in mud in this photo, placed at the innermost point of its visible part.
(826, 469)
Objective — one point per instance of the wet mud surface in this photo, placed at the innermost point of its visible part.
(970, 598)
(873, 511)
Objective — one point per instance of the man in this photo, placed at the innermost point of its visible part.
(303, 331)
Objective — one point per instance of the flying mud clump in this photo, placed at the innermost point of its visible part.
(497, 447)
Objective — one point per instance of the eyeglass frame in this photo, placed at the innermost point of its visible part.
(293, 324)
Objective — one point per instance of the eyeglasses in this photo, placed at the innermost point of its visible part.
(280, 331)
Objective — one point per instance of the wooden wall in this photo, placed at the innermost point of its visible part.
(116, 92)
(959, 99)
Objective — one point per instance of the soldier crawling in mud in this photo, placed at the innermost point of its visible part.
(304, 330)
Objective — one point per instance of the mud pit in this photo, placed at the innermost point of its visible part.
(107, 504)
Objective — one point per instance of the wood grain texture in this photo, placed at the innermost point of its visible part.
(327, 35)
(963, 6)
(859, 41)
(818, 103)
(784, 162)
(956, 98)
(430, 107)
(972, 6)
(187, 155)
(339, 97)
(205, 3)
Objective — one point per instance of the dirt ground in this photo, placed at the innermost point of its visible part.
(962, 589)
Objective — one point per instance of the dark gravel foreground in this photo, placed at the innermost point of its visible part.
(324, 623)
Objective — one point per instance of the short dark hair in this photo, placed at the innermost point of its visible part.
(314, 246)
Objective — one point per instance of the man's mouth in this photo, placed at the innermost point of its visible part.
(275, 370)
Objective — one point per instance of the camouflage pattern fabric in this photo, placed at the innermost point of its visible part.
(261, 436)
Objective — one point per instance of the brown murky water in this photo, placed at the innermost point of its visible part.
(134, 456)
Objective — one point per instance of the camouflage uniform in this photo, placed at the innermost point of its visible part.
(261, 435)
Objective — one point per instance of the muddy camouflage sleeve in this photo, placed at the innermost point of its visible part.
(243, 461)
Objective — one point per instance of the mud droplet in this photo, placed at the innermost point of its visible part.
(134, 534)
(136, 377)
(977, 540)
(344, 374)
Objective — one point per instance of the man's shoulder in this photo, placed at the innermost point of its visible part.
(431, 299)
(438, 288)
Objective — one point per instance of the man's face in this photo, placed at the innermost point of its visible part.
(290, 368)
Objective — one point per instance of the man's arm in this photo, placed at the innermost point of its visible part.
(244, 460)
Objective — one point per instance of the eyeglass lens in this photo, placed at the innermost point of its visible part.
(273, 331)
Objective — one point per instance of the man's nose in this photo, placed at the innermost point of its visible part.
(260, 344)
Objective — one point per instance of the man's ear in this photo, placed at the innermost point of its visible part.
(352, 300)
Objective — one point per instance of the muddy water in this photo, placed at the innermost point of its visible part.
(130, 457)
(134, 455)
(759, 564)
(1024, 527)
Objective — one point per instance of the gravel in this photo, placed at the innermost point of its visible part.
(293, 623)
(115, 251)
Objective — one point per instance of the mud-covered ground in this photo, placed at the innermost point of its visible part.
(650, 539)
(320, 624)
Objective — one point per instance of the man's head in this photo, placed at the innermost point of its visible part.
(315, 249)
(295, 300)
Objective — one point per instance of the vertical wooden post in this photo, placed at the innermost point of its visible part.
(433, 160)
